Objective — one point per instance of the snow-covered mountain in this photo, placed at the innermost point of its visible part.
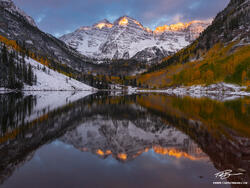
(127, 38)
(191, 29)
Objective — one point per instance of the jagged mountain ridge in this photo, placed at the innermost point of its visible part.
(127, 38)
(231, 24)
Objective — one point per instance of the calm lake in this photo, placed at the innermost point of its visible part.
(65, 139)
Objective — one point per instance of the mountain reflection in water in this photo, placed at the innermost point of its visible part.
(127, 141)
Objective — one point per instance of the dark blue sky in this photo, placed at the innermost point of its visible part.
(62, 16)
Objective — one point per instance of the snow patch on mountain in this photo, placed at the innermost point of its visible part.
(50, 80)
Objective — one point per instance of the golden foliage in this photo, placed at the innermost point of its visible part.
(218, 64)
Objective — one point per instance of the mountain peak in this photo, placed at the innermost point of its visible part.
(126, 20)
(11, 7)
(103, 24)
(123, 21)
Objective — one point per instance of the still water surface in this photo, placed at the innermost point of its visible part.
(63, 139)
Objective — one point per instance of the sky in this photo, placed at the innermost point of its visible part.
(59, 17)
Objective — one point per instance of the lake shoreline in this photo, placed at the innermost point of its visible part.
(219, 90)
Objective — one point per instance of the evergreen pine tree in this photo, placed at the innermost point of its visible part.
(30, 75)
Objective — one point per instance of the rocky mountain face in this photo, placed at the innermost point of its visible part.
(231, 24)
(11, 7)
(127, 38)
(16, 25)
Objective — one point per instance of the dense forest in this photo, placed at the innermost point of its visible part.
(14, 71)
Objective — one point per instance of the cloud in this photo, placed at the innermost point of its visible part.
(40, 18)
(177, 18)
(58, 16)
